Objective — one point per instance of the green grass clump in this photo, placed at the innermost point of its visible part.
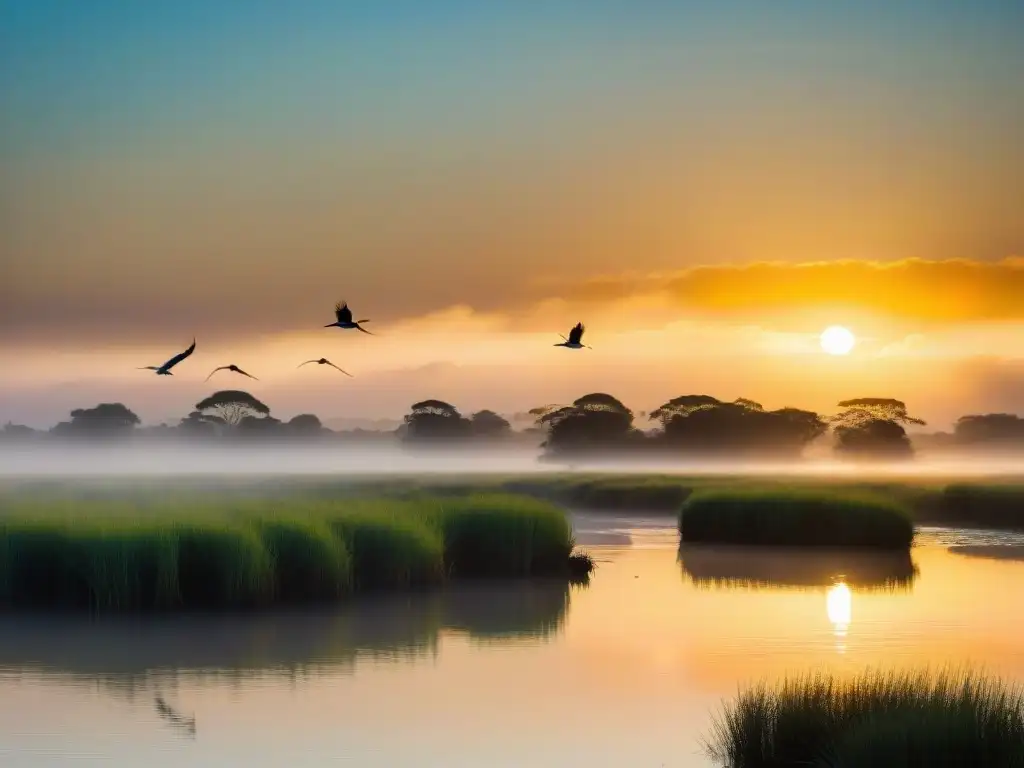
(310, 563)
(894, 719)
(391, 551)
(506, 536)
(982, 506)
(149, 551)
(780, 517)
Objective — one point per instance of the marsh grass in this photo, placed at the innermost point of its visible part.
(910, 718)
(985, 506)
(212, 553)
(486, 536)
(788, 517)
(391, 552)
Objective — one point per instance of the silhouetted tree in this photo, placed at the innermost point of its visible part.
(873, 427)
(305, 425)
(874, 438)
(105, 420)
(488, 424)
(742, 426)
(198, 424)
(232, 406)
(593, 423)
(997, 429)
(258, 427)
(864, 409)
(14, 431)
(682, 406)
(436, 420)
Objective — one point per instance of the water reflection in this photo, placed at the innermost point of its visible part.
(839, 606)
(175, 718)
(136, 653)
(773, 568)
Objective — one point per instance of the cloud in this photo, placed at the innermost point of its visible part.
(915, 290)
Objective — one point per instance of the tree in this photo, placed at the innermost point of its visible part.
(13, 432)
(104, 420)
(488, 424)
(199, 424)
(692, 424)
(873, 427)
(682, 406)
(258, 426)
(232, 406)
(593, 423)
(436, 420)
(989, 428)
(864, 409)
(875, 438)
(305, 425)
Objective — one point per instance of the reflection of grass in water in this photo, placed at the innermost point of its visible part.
(714, 566)
(896, 719)
(129, 653)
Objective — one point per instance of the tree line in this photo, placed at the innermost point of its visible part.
(592, 425)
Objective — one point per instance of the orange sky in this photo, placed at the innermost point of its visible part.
(705, 198)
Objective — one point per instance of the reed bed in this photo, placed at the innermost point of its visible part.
(788, 517)
(156, 553)
(894, 719)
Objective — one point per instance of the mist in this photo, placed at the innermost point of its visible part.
(377, 458)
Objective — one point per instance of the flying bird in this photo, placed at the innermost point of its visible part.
(325, 361)
(344, 315)
(575, 340)
(165, 369)
(233, 368)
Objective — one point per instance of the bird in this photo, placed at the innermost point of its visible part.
(344, 315)
(233, 368)
(165, 369)
(325, 361)
(575, 340)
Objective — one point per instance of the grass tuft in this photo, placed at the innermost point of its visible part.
(893, 719)
(780, 517)
(149, 551)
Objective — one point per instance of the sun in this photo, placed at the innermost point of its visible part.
(837, 340)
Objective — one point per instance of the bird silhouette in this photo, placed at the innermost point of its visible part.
(165, 369)
(233, 368)
(344, 315)
(325, 361)
(575, 340)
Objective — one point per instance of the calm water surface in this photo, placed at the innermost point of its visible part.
(626, 672)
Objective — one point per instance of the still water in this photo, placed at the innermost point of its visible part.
(625, 672)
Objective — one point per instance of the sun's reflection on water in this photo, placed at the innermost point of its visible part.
(839, 605)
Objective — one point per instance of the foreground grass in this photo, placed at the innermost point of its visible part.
(237, 552)
(794, 518)
(893, 720)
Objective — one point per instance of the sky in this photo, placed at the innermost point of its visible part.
(706, 186)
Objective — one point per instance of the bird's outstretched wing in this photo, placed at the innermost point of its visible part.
(179, 357)
(221, 368)
(576, 333)
(307, 363)
(328, 362)
(236, 369)
(342, 312)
